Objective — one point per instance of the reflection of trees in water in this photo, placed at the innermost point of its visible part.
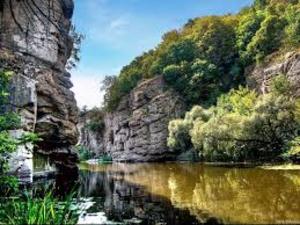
(248, 195)
(233, 195)
(121, 200)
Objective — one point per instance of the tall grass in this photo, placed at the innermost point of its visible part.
(45, 210)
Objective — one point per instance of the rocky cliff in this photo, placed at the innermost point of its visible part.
(138, 129)
(259, 76)
(35, 44)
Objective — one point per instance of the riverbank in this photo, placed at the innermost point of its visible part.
(262, 165)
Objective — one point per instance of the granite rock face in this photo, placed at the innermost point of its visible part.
(137, 131)
(259, 77)
(35, 44)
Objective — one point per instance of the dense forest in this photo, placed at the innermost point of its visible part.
(208, 56)
(205, 61)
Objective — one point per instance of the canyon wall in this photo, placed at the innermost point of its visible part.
(259, 76)
(35, 44)
(137, 130)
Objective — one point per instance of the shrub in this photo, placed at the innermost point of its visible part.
(105, 159)
(85, 153)
(179, 138)
(8, 144)
(179, 130)
(243, 125)
(9, 121)
(95, 118)
(293, 149)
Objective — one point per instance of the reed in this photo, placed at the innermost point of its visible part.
(45, 210)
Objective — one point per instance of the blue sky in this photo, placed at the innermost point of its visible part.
(117, 31)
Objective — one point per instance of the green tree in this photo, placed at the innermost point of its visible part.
(292, 30)
(8, 144)
(267, 39)
(227, 45)
(242, 126)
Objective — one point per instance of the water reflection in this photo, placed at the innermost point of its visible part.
(191, 193)
(124, 202)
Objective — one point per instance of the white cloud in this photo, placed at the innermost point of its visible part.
(118, 24)
(104, 24)
(87, 89)
(110, 30)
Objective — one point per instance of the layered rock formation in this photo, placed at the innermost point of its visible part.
(35, 44)
(259, 76)
(138, 129)
(91, 140)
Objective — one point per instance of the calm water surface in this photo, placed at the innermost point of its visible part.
(175, 193)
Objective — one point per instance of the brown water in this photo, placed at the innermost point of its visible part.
(174, 193)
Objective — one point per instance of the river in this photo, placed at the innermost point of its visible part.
(187, 193)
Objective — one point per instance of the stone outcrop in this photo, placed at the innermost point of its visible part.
(138, 129)
(259, 77)
(93, 141)
(35, 44)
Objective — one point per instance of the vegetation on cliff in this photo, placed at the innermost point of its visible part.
(243, 126)
(9, 144)
(208, 56)
(18, 209)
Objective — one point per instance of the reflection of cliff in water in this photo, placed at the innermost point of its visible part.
(123, 201)
(232, 195)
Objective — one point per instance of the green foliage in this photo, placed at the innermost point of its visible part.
(179, 130)
(95, 126)
(240, 101)
(293, 28)
(104, 159)
(95, 119)
(9, 121)
(8, 144)
(84, 153)
(179, 138)
(45, 210)
(267, 39)
(281, 86)
(293, 149)
(208, 56)
(29, 138)
(242, 126)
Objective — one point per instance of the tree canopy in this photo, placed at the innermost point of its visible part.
(207, 57)
(243, 126)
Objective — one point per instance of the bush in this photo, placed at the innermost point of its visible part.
(293, 150)
(84, 153)
(243, 126)
(179, 130)
(9, 121)
(95, 119)
(105, 159)
(179, 138)
(8, 144)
